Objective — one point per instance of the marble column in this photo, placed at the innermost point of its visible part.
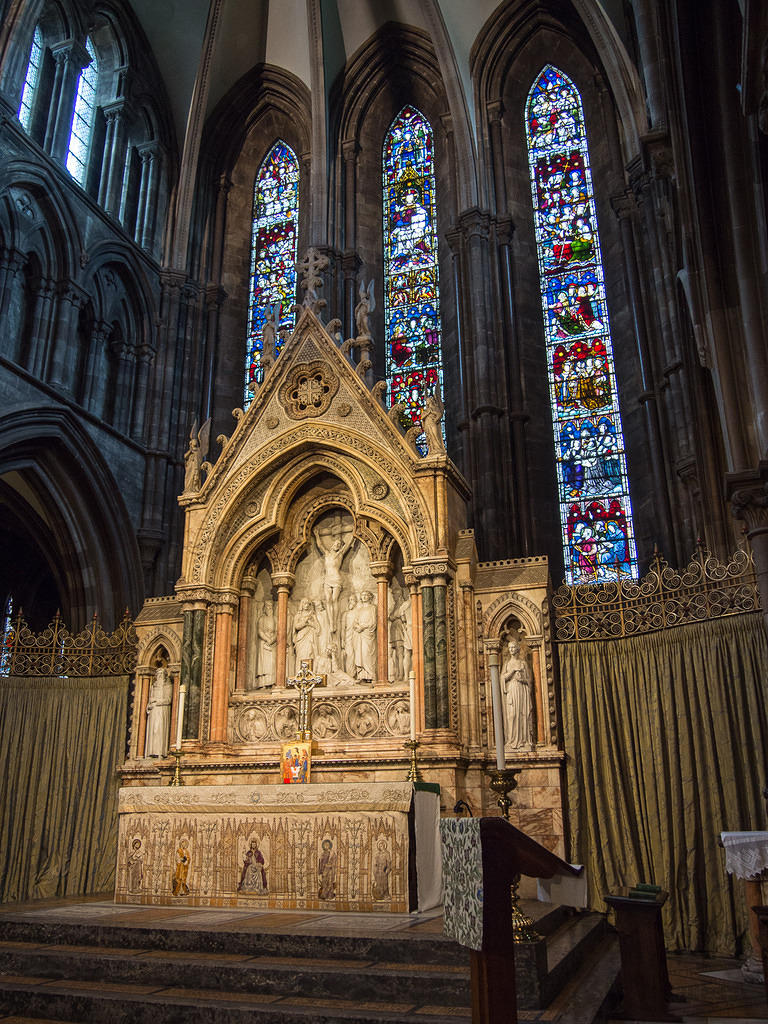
(192, 667)
(418, 651)
(442, 678)
(222, 657)
(243, 626)
(141, 725)
(283, 584)
(428, 649)
(382, 573)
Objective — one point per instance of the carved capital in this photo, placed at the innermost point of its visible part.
(624, 204)
(381, 571)
(748, 494)
(495, 112)
(226, 601)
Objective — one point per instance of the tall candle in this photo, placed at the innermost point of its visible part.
(180, 715)
(498, 714)
(412, 685)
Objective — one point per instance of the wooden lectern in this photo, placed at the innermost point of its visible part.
(505, 852)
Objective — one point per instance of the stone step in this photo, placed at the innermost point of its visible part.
(89, 1002)
(280, 975)
(593, 990)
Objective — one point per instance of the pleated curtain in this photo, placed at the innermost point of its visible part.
(666, 737)
(61, 741)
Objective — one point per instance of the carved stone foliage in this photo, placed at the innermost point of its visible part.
(308, 390)
(352, 716)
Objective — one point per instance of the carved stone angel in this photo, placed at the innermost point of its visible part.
(431, 420)
(363, 309)
(195, 455)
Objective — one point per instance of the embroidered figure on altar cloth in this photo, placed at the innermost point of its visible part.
(326, 872)
(382, 866)
(253, 877)
(180, 887)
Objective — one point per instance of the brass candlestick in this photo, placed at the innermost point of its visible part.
(414, 775)
(176, 779)
(503, 781)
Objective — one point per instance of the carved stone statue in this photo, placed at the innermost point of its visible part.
(332, 547)
(400, 636)
(269, 336)
(516, 686)
(363, 309)
(347, 632)
(195, 455)
(159, 713)
(266, 630)
(431, 420)
(364, 638)
(306, 629)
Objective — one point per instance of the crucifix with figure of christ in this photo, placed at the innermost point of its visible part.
(333, 539)
(305, 681)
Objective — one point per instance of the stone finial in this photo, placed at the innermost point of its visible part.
(310, 266)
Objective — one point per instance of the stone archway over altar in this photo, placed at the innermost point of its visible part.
(322, 533)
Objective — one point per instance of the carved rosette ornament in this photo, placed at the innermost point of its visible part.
(308, 390)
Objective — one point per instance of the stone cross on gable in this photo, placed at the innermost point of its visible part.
(310, 266)
(305, 681)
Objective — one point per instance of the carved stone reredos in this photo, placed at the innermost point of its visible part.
(313, 416)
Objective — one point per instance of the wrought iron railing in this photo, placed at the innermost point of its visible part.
(58, 652)
(705, 589)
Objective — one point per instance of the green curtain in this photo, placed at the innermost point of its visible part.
(666, 736)
(61, 741)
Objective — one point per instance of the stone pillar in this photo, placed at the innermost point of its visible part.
(283, 584)
(382, 573)
(535, 650)
(111, 184)
(470, 666)
(192, 665)
(70, 58)
(61, 368)
(141, 725)
(145, 225)
(41, 328)
(428, 654)
(222, 657)
(748, 494)
(95, 370)
(243, 626)
(12, 300)
(215, 294)
(144, 357)
(624, 207)
(350, 262)
(442, 675)
(125, 359)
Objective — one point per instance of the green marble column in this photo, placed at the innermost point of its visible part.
(442, 689)
(428, 626)
(192, 669)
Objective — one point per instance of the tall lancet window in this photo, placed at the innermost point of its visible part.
(596, 516)
(411, 301)
(274, 238)
(31, 80)
(82, 119)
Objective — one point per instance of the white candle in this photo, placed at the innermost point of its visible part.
(180, 715)
(498, 714)
(412, 685)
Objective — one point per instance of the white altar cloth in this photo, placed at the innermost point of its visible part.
(746, 853)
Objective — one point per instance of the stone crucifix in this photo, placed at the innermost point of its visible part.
(305, 681)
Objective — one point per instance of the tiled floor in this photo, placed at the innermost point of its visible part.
(711, 988)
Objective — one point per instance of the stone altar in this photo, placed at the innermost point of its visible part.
(364, 847)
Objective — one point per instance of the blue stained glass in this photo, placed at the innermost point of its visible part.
(411, 298)
(595, 510)
(82, 118)
(31, 80)
(274, 240)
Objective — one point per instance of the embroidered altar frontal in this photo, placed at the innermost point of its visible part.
(324, 847)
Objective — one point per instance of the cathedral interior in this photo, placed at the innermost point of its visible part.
(423, 341)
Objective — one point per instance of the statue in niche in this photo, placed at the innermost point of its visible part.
(516, 687)
(306, 630)
(159, 712)
(400, 633)
(364, 638)
(266, 632)
(333, 542)
(431, 420)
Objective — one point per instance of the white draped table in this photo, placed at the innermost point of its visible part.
(746, 856)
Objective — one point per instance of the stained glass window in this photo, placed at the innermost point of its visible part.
(411, 301)
(31, 80)
(595, 511)
(274, 238)
(82, 118)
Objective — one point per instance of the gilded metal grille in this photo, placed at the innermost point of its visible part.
(705, 589)
(58, 652)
